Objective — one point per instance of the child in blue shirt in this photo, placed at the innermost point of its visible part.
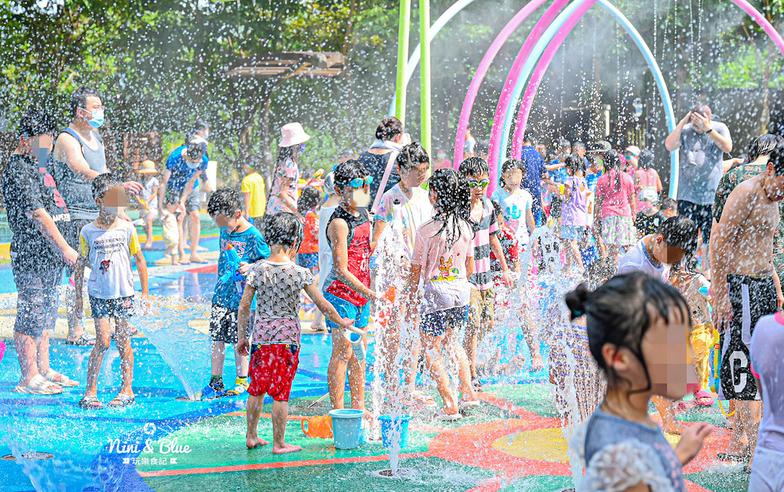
(241, 245)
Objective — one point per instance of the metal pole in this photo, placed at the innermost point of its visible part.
(404, 27)
(424, 74)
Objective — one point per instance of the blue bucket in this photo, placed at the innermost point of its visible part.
(347, 427)
(394, 429)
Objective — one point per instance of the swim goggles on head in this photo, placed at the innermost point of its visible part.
(357, 183)
(472, 183)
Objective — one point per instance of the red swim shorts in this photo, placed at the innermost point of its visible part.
(272, 370)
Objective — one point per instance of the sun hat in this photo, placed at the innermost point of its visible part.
(599, 147)
(147, 167)
(634, 150)
(293, 134)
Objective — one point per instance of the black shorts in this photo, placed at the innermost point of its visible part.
(223, 325)
(121, 308)
(435, 324)
(701, 215)
(751, 299)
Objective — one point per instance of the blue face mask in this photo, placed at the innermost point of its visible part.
(302, 147)
(97, 119)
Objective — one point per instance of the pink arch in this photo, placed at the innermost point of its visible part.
(506, 33)
(481, 72)
(533, 86)
(504, 101)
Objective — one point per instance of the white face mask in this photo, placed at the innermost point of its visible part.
(361, 198)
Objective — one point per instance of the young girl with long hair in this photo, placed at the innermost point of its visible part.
(616, 206)
(444, 256)
(636, 327)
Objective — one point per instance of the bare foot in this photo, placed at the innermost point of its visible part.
(254, 442)
(286, 448)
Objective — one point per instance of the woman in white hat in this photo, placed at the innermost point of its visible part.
(149, 197)
(283, 192)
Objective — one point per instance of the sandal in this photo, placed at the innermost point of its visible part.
(449, 417)
(198, 260)
(122, 400)
(703, 398)
(82, 341)
(90, 403)
(468, 404)
(39, 385)
(60, 379)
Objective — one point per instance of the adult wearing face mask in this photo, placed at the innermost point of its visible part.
(79, 157)
(283, 192)
(38, 251)
(186, 168)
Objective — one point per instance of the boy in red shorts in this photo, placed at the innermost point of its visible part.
(276, 331)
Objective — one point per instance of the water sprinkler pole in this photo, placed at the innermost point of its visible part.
(424, 75)
(404, 28)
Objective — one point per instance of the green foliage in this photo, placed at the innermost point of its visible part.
(747, 70)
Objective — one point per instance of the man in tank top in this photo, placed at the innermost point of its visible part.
(77, 159)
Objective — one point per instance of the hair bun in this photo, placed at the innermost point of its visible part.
(576, 299)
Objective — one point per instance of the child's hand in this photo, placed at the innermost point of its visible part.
(691, 441)
(536, 362)
(346, 323)
(245, 268)
(71, 257)
(144, 304)
(507, 279)
(243, 346)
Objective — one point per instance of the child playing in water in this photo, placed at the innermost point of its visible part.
(241, 245)
(482, 216)
(702, 335)
(516, 205)
(632, 321)
(149, 174)
(444, 255)
(347, 286)
(171, 232)
(574, 212)
(107, 245)
(276, 331)
(654, 254)
(400, 212)
(308, 254)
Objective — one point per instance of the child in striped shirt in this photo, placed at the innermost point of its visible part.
(483, 218)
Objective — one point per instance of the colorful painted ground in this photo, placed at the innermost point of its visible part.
(513, 441)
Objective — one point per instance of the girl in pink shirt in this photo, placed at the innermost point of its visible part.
(616, 206)
(444, 260)
(647, 184)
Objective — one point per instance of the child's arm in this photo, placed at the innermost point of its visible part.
(498, 251)
(323, 305)
(777, 284)
(243, 315)
(141, 266)
(529, 220)
(470, 267)
(246, 201)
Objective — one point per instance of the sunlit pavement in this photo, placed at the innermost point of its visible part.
(165, 442)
